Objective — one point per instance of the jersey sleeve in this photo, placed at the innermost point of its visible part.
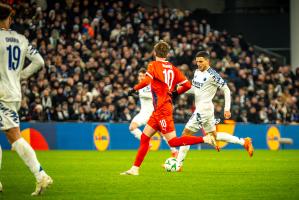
(36, 62)
(146, 81)
(151, 70)
(218, 80)
(182, 82)
(180, 77)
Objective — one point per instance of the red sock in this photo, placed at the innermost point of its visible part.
(143, 149)
(185, 140)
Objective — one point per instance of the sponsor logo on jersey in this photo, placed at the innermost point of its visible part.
(155, 142)
(199, 80)
(197, 83)
(35, 139)
(273, 136)
(101, 138)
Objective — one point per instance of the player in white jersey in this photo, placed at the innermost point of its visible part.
(205, 83)
(14, 48)
(146, 102)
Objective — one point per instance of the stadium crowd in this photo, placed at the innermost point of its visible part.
(93, 50)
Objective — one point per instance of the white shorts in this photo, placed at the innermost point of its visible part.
(142, 118)
(9, 117)
(201, 120)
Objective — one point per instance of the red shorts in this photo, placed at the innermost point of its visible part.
(162, 122)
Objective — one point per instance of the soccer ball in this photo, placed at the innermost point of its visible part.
(170, 164)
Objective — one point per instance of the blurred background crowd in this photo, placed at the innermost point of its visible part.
(93, 51)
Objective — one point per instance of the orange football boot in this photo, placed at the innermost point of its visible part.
(180, 169)
(248, 146)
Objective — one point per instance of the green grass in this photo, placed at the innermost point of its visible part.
(207, 175)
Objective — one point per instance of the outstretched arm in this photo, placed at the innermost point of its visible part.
(183, 87)
(146, 81)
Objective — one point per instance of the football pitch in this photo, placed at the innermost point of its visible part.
(207, 174)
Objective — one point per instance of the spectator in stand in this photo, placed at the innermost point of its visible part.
(93, 50)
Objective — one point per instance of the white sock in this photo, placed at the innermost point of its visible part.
(172, 149)
(182, 154)
(137, 133)
(0, 156)
(226, 137)
(28, 155)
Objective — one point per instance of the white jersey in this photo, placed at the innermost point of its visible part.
(14, 48)
(146, 100)
(204, 87)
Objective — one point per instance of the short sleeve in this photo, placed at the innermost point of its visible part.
(217, 79)
(150, 70)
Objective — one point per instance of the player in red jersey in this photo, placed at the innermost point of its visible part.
(163, 77)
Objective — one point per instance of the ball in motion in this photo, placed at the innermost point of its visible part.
(170, 164)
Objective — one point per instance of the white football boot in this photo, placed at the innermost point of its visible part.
(210, 139)
(133, 171)
(41, 185)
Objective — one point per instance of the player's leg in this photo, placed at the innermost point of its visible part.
(187, 140)
(192, 127)
(135, 130)
(174, 151)
(166, 127)
(148, 132)
(139, 120)
(226, 137)
(25, 151)
(183, 149)
(27, 154)
(245, 142)
(168, 131)
(10, 126)
(136, 122)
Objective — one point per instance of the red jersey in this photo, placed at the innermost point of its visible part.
(165, 76)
